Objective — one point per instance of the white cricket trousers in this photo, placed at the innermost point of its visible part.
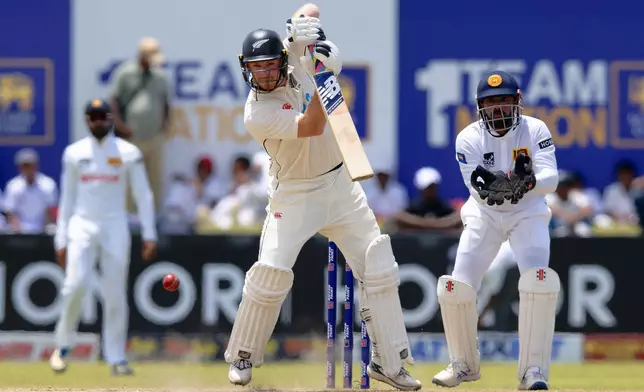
(108, 241)
(331, 205)
(485, 230)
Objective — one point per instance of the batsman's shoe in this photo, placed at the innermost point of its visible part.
(240, 372)
(403, 381)
(455, 373)
(122, 369)
(533, 380)
(57, 360)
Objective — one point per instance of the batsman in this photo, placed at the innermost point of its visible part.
(508, 163)
(310, 192)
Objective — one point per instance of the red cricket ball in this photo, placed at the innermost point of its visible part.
(170, 282)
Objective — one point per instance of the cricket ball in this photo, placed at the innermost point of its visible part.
(170, 282)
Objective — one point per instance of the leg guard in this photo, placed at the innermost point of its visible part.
(265, 289)
(538, 291)
(386, 324)
(458, 310)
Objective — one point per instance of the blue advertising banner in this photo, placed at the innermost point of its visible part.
(34, 82)
(578, 66)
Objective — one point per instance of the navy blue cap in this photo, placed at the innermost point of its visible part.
(97, 105)
(495, 84)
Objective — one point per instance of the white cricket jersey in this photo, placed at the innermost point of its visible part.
(475, 146)
(94, 184)
(272, 119)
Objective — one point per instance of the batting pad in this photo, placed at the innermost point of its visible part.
(265, 288)
(538, 292)
(460, 319)
(386, 324)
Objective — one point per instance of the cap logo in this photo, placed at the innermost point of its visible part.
(97, 103)
(495, 80)
(258, 44)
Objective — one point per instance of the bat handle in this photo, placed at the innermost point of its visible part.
(318, 66)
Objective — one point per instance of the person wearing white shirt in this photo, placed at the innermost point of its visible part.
(572, 209)
(93, 224)
(210, 188)
(508, 164)
(30, 197)
(179, 210)
(386, 196)
(310, 192)
(245, 205)
(619, 198)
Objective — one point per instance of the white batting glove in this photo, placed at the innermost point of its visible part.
(329, 55)
(304, 29)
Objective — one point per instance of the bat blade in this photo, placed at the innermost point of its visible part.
(341, 123)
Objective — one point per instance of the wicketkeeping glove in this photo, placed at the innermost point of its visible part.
(304, 29)
(522, 178)
(493, 187)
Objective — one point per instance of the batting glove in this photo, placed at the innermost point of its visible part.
(304, 29)
(329, 55)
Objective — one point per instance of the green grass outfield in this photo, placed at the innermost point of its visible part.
(293, 375)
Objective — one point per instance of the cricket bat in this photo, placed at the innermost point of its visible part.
(339, 118)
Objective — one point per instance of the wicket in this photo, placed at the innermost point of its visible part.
(347, 362)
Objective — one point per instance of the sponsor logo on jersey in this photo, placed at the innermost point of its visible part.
(461, 157)
(488, 159)
(114, 161)
(546, 143)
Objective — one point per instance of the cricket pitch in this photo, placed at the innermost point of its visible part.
(297, 376)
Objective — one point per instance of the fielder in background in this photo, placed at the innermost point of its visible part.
(508, 164)
(92, 223)
(310, 192)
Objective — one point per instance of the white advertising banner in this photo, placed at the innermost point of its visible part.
(201, 40)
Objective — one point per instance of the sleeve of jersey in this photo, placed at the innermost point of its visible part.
(272, 121)
(468, 158)
(68, 193)
(144, 199)
(544, 162)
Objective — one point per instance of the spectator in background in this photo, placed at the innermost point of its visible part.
(572, 210)
(140, 103)
(179, 211)
(428, 211)
(619, 197)
(210, 188)
(191, 199)
(245, 206)
(386, 196)
(31, 197)
(593, 194)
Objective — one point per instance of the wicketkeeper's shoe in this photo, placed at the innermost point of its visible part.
(57, 360)
(533, 380)
(403, 381)
(240, 372)
(122, 369)
(455, 373)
